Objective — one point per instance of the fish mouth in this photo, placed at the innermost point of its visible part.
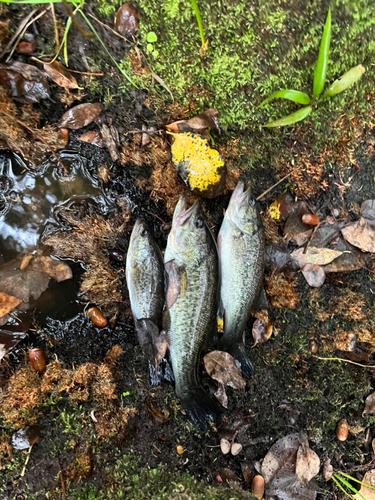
(240, 194)
(182, 214)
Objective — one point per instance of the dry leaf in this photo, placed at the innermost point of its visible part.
(93, 137)
(368, 211)
(127, 19)
(110, 137)
(327, 470)
(221, 395)
(361, 234)
(60, 75)
(198, 124)
(367, 493)
(307, 464)
(287, 487)
(262, 331)
(315, 256)
(7, 303)
(351, 259)
(282, 454)
(314, 275)
(80, 116)
(369, 405)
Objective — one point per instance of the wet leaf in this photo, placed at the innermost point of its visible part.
(7, 303)
(228, 476)
(367, 493)
(221, 395)
(60, 75)
(307, 464)
(24, 80)
(295, 230)
(127, 19)
(158, 417)
(322, 62)
(282, 454)
(346, 80)
(110, 136)
(93, 137)
(237, 427)
(314, 275)
(369, 405)
(361, 234)
(80, 116)
(315, 256)
(26, 437)
(201, 167)
(248, 471)
(291, 95)
(290, 119)
(368, 211)
(9, 339)
(287, 487)
(26, 47)
(351, 259)
(262, 331)
(198, 124)
(279, 256)
(327, 470)
(222, 367)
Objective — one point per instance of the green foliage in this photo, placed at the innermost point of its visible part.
(339, 478)
(199, 20)
(292, 118)
(322, 62)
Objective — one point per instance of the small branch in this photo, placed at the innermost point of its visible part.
(277, 183)
(85, 72)
(340, 360)
(108, 28)
(311, 237)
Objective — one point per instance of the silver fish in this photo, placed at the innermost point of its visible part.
(241, 258)
(191, 300)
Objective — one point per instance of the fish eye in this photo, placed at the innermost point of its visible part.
(199, 223)
(144, 232)
(252, 203)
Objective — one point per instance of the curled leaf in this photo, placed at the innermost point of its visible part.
(315, 256)
(346, 80)
(262, 331)
(80, 115)
(222, 367)
(291, 95)
(290, 119)
(60, 75)
(198, 124)
(307, 464)
(322, 62)
(361, 234)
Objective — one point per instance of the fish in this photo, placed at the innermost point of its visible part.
(241, 249)
(145, 281)
(191, 265)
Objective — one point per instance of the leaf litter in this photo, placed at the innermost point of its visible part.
(80, 116)
(60, 75)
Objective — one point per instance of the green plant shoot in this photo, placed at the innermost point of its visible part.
(345, 81)
(199, 20)
(322, 62)
(290, 119)
(291, 95)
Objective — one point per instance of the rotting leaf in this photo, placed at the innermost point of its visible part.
(228, 476)
(368, 211)
(7, 303)
(282, 454)
(361, 234)
(23, 80)
(369, 405)
(351, 259)
(93, 137)
(110, 136)
(367, 493)
(314, 275)
(327, 469)
(199, 124)
(262, 331)
(60, 75)
(80, 116)
(307, 464)
(127, 19)
(237, 427)
(221, 395)
(221, 366)
(287, 487)
(158, 417)
(316, 256)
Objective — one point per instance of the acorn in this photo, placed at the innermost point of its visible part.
(310, 219)
(342, 430)
(37, 360)
(179, 450)
(257, 487)
(97, 317)
(313, 346)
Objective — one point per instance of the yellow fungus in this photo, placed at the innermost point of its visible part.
(220, 324)
(274, 210)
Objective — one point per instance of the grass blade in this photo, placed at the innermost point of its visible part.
(348, 485)
(322, 62)
(290, 119)
(341, 488)
(33, 2)
(346, 80)
(291, 95)
(354, 479)
(199, 20)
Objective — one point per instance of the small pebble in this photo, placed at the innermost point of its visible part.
(179, 449)
(225, 446)
(313, 346)
(342, 430)
(97, 317)
(257, 487)
(37, 360)
(236, 449)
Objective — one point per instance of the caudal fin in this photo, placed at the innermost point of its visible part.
(239, 353)
(164, 372)
(199, 407)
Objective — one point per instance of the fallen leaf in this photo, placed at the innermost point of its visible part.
(282, 454)
(26, 47)
(295, 230)
(358, 357)
(60, 75)
(23, 80)
(80, 116)
(221, 395)
(314, 275)
(200, 167)
(262, 331)
(9, 339)
(199, 124)
(237, 427)
(222, 367)
(324, 235)
(93, 137)
(110, 137)
(284, 206)
(316, 256)
(307, 464)
(26, 437)
(369, 405)
(7, 303)
(361, 234)
(279, 256)
(367, 493)
(368, 211)
(287, 487)
(153, 342)
(158, 417)
(327, 470)
(350, 260)
(228, 476)
(54, 268)
(127, 19)
(248, 471)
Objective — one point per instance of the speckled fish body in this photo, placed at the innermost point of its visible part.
(191, 264)
(241, 258)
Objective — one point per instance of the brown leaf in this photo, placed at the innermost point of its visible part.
(314, 275)
(262, 331)
(316, 256)
(351, 259)
(26, 437)
(7, 303)
(198, 124)
(295, 230)
(60, 75)
(80, 116)
(26, 47)
(228, 476)
(24, 80)
(221, 395)
(158, 417)
(307, 464)
(367, 493)
(237, 427)
(111, 139)
(54, 268)
(93, 137)
(222, 367)
(286, 486)
(361, 234)
(368, 211)
(327, 470)
(127, 19)
(369, 405)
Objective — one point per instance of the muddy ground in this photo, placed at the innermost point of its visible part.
(128, 452)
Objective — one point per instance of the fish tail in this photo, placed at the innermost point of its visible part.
(164, 372)
(238, 351)
(199, 407)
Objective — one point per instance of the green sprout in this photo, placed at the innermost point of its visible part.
(339, 478)
(151, 39)
(199, 21)
(341, 84)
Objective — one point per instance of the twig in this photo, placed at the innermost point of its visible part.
(108, 27)
(27, 461)
(156, 448)
(311, 237)
(150, 132)
(277, 183)
(55, 27)
(345, 361)
(66, 171)
(156, 216)
(17, 32)
(85, 72)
